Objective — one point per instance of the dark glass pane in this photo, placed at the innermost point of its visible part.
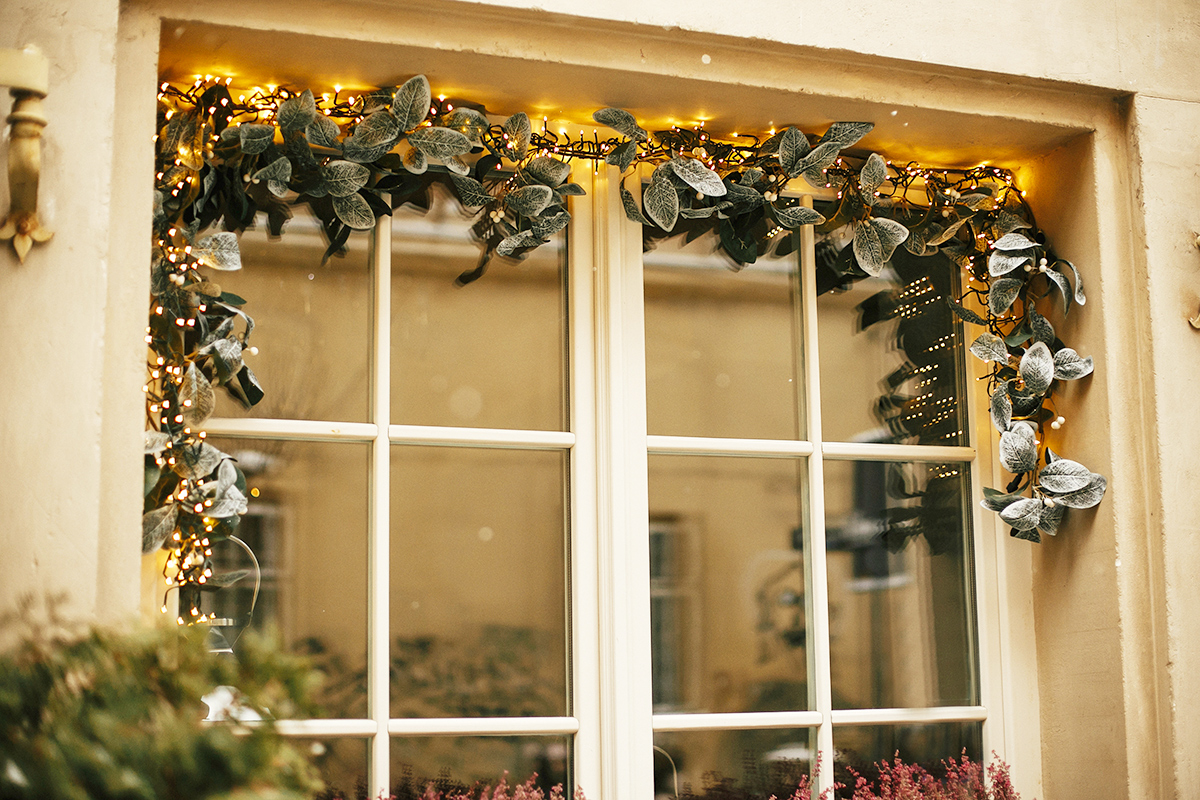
(343, 766)
(891, 350)
(312, 324)
(863, 747)
(461, 762)
(307, 526)
(901, 596)
(732, 765)
(727, 584)
(721, 355)
(491, 354)
(478, 582)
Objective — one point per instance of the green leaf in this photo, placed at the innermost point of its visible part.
(622, 122)
(661, 203)
(622, 155)
(698, 176)
(1086, 497)
(1069, 366)
(323, 131)
(468, 122)
(297, 113)
(1037, 368)
(795, 216)
(251, 389)
(1001, 409)
(989, 347)
(219, 251)
(254, 138)
(1029, 536)
(157, 525)
(412, 103)
(1003, 293)
(872, 176)
(196, 397)
(793, 147)
(1018, 448)
(1064, 476)
(547, 171)
(529, 201)
(344, 178)
(846, 134)
(470, 191)
(964, 313)
(743, 251)
(519, 133)
(439, 143)
(354, 211)
(1003, 263)
(1014, 242)
(632, 211)
(1024, 514)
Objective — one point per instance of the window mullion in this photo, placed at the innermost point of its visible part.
(817, 598)
(378, 589)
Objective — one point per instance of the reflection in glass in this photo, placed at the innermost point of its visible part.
(901, 598)
(721, 355)
(343, 766)
(732, 764)
(458, 763)
(862, 747)
(312, 324)
(307, 526)
(491, 354)
(478, 566)
(727, 584)
(891, 350)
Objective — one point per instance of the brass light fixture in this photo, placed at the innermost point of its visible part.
(27, 73)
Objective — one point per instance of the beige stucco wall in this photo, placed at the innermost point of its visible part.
(1114, 598)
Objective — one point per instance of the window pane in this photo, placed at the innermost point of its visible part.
(312, 324)
(461, 762)
(490, 354)
(862, 747)
(727, 584)
(307, 526)
(901, 598)
(732, 764)
(478, 577)
(343, 766)
(721, 356)
(891, 351)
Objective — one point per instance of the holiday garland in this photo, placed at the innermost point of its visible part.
(222, 161)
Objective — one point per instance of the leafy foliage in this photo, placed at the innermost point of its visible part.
(100, 715)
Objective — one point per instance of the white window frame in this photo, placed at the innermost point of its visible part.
(612, 719)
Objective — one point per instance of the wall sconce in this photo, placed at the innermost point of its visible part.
(27, 73)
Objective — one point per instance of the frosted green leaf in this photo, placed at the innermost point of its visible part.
(1043, 331)
(546, 227)
(1007, 223)
(344, 178)
(516, 242)
(278, 170)
(1069, 366)
(1023, 514)
(1079, 296)
(157, 525)
(323, 131)
(622, 155)
(219, 251)
(196, 397)
(621, 121)
(468, 122)
(872, 176)
(1051, 518)
(698, 176)
(795, 216)
(1018, 449)
(948, 233)
(439, 143)
(1003, 293)
(155, 442)
(381, 129)
(255, 137)
(456, 165)
(1001, 408)
(529, 201)
(547, 171)
(470, 191)
(414, 161)
(412, 102)
(229, 502)
(997, 501)
(519, 133)
(891, 234)
(964, 313)
(632, 212)
(297, 113)
(1064, 287)
(1037, 368)
(354, 211)
(1003, 263)
(846, 134)
(977, 202)
(867, 248)
(1088, 496)
(196, 461)
(1014, 241)
(793, 147)
(1063, 476)
(661, 203)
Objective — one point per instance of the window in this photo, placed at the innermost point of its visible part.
(616, 519)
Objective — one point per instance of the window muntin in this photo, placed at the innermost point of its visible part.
(386, 435)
